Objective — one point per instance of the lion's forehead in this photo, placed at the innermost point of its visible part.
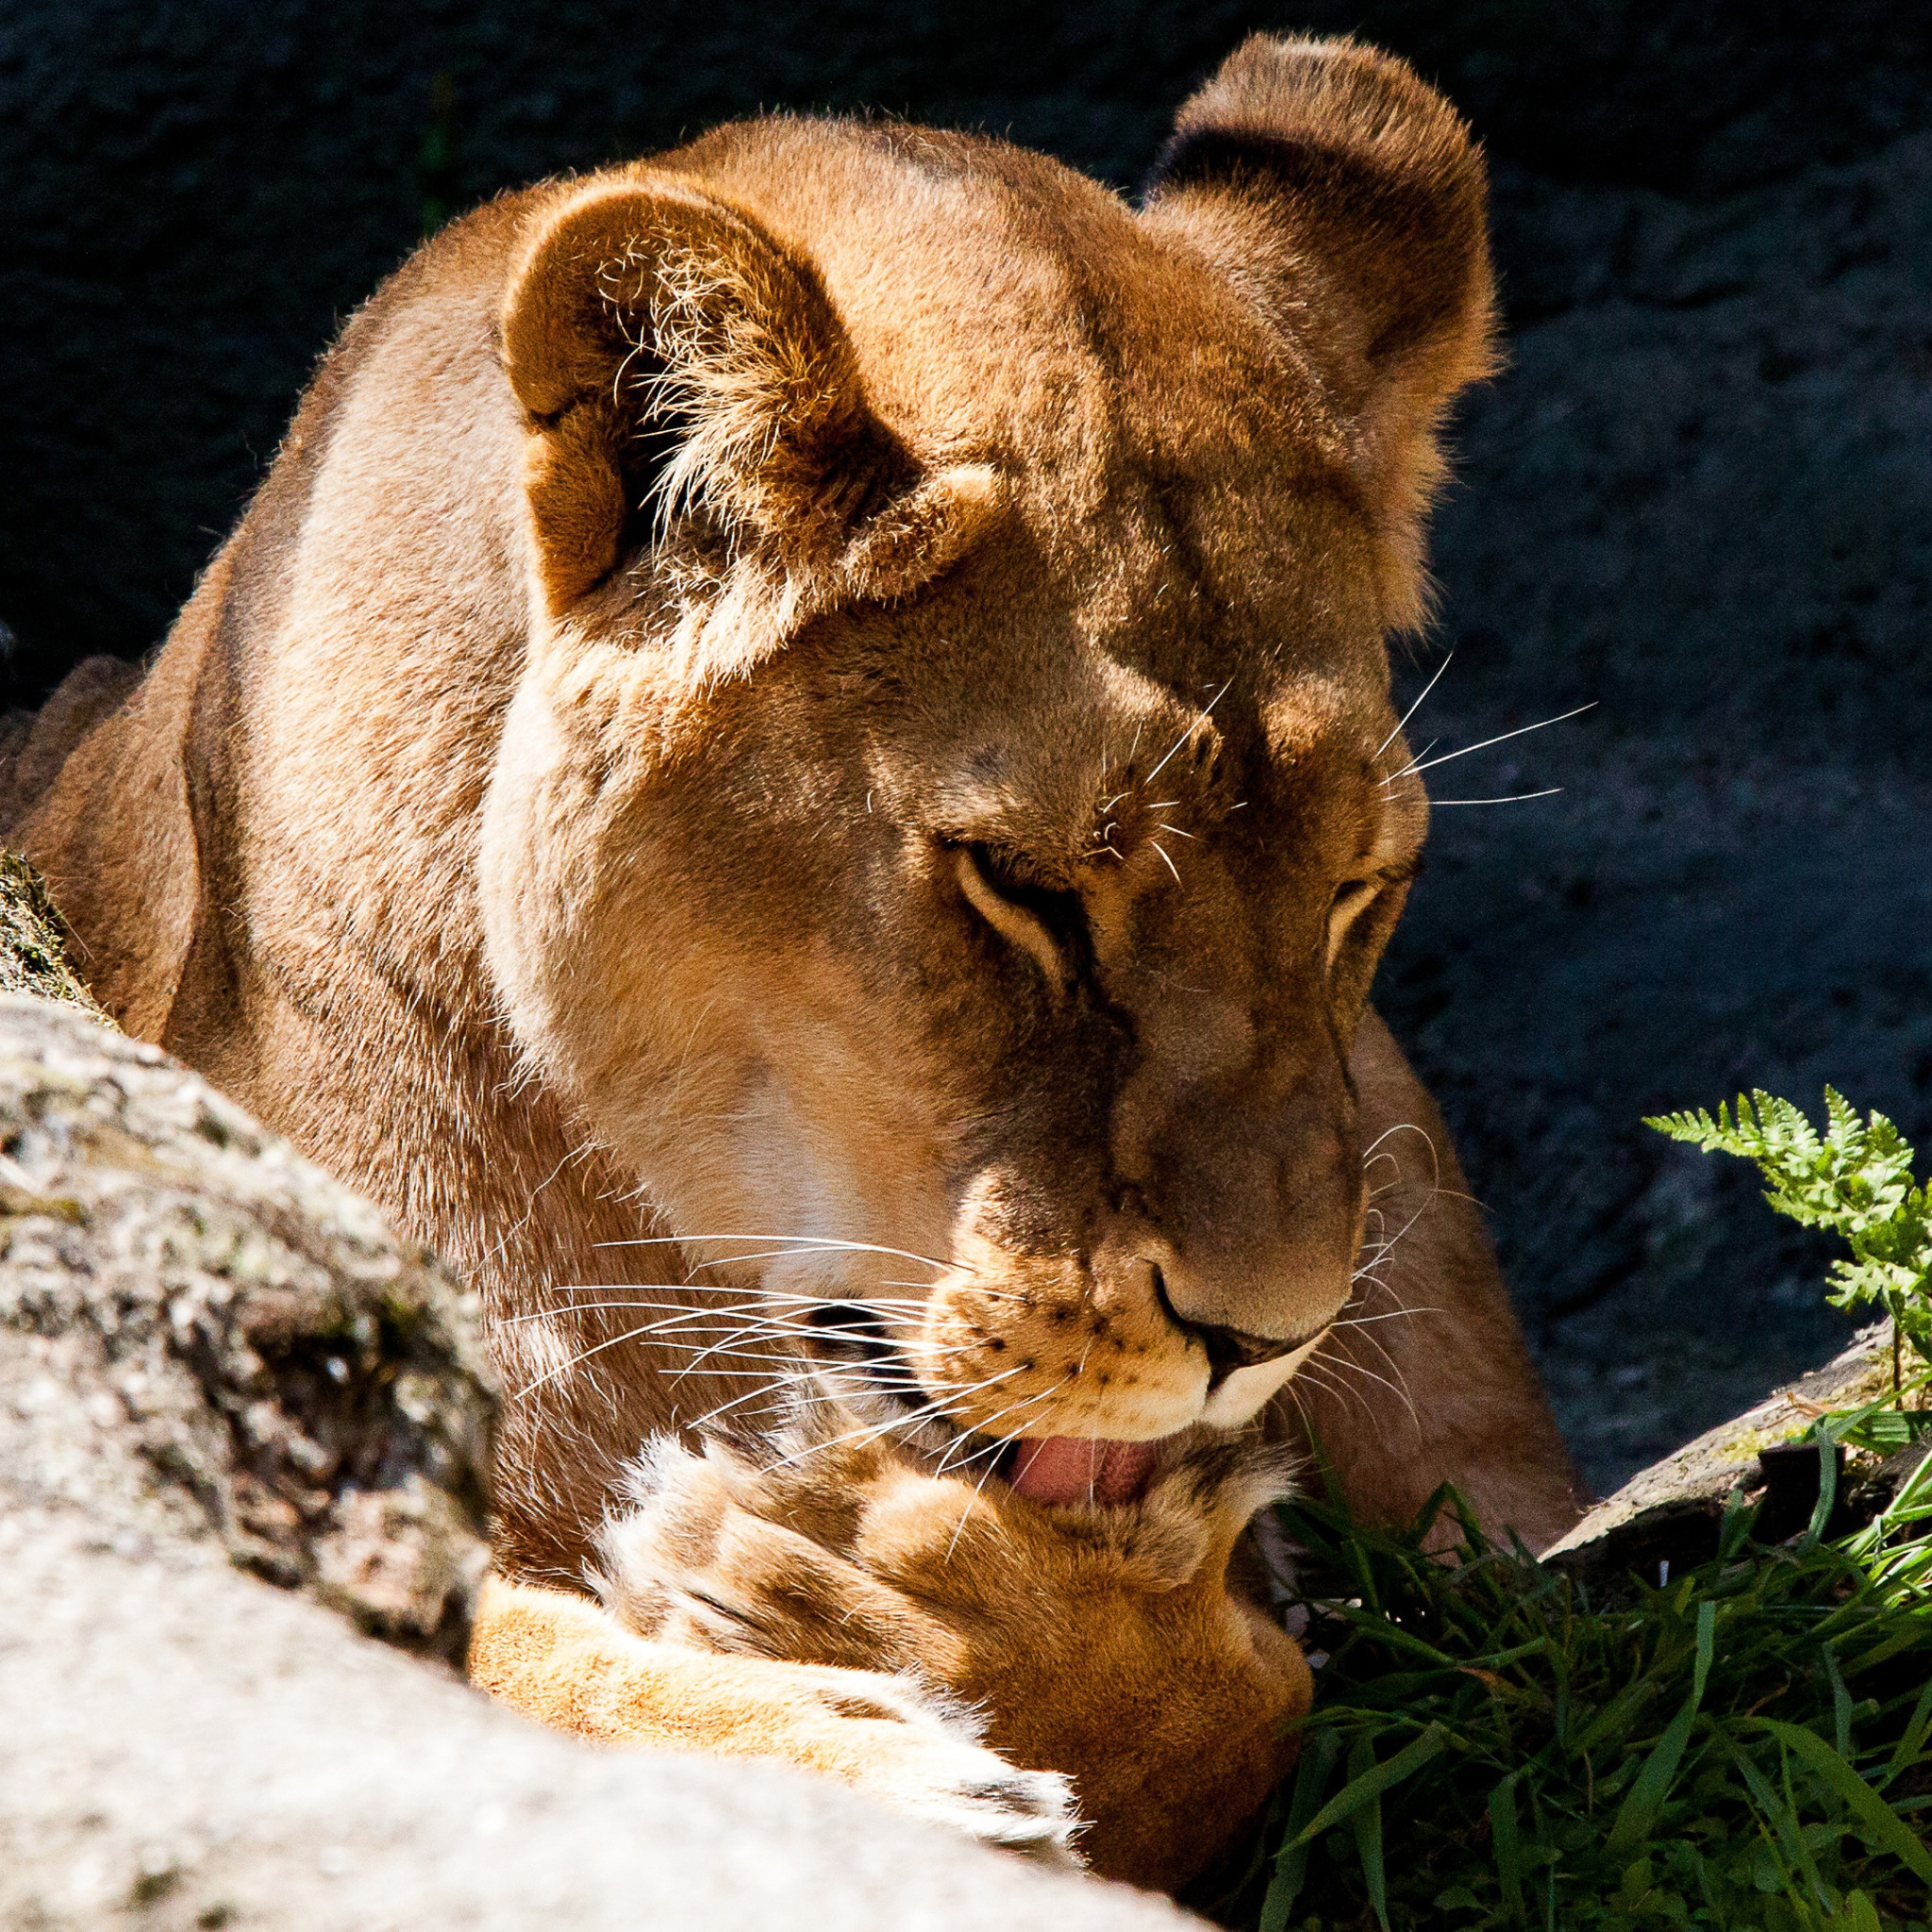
(1067, 750)
(1177, 505)
(998, 302)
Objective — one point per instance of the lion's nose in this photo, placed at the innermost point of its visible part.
(1228, 1349)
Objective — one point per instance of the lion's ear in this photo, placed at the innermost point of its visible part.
(670, 356)
(1346, 200)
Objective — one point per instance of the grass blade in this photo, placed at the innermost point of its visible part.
(1914, 1740)
(1827, 1488)
(1508, 1840)
(1861, 1915)
(1772, 1811)
(1370, 1784)
(1841, 1703)
(1291, 1862)
(1881, 1824)
(1645, 1800)
(1576, 1711)
(1368, 1828)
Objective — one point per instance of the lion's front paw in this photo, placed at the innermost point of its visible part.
(720, 1554)
(968, 1788)
(565, 1661)
(697, 1561)
(1099, 1642)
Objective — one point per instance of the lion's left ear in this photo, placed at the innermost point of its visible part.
(1345, 198)
(671, 354)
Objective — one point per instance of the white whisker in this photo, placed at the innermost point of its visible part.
(870, 1431)
(1512, 798)
(772, 1387)
(576, 1361)
(1186, 735)
(1390, 1133)
(1402, 722)
(1344, 1362)
(685, 1316)
(765, 1311)
(989, 1295)
(805, 1243)
(1000, 1447)
(1012, 1436)
(1340, 1391)
(1500, 737)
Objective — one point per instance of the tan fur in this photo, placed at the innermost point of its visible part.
(825, 696)
(559, 1659)
(842, 1555)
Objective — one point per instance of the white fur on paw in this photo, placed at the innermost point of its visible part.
(948, 1777)
(636, 1576)
(968, 1788)
(901, 1696)
(657, 1541)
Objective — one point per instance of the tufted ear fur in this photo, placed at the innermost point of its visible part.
(1346, 200)
(671, 359)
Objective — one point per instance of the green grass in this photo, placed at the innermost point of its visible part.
(1496, 1743)
(1748, 1745)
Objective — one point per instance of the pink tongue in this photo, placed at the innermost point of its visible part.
(1082, 1469)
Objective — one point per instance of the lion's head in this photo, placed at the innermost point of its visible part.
(952, 809)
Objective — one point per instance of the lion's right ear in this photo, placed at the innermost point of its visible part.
(1345, 198)
(670, 354)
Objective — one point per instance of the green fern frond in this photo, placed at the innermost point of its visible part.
(1856, 1180)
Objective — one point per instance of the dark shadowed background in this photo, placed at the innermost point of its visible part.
(1701, 497)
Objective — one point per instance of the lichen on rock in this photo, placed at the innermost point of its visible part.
(33, 957)
(202, 1335)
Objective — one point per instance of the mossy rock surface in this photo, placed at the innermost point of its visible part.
(1671, 1512)
(33, 940)
(205, 1338)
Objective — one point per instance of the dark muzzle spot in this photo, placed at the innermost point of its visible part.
(1228, 1349)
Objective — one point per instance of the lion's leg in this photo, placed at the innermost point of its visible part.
(564, 1662)
(1430, 1380)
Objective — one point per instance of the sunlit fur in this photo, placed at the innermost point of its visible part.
(808, 721)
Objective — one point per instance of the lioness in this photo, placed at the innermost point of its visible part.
(794, 766)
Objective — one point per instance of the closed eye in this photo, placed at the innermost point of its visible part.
(1348, 904)
(1024, 915)
(1354, 896)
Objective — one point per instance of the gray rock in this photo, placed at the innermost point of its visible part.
(202, 1336)
(1671, 1513)
(184, 1747)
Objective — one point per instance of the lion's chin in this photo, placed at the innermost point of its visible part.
(1057, 1470)
(1241, 1396)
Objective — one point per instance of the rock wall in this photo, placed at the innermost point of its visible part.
(200, 189)
(1701, 499)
